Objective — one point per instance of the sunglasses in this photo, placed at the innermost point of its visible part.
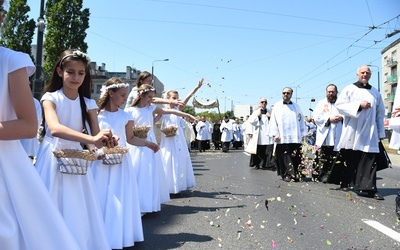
(263, 102)
(286, 93)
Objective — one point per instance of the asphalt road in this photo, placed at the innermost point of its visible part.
(226, 210)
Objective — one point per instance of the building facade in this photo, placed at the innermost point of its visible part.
(389, 75)
(100, 75)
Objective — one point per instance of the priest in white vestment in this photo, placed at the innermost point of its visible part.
(288, 128)
(259, 120)
(364, 112)
(329, 128)
(226, 136)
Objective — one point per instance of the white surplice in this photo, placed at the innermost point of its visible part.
(287, 121)
(361, 129)
(326, 135)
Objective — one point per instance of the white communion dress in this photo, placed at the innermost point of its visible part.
(29, 219)
(117, 188)
(152, 183)
(74, 195)
(175, 155)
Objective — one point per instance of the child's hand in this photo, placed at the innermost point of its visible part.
(103, 136)
(153, 146)
(112, 142)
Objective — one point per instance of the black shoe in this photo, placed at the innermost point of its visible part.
(324, 179)
(375, 195)
(287, 179)
(256, 168)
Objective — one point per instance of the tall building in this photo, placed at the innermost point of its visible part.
(389, 75)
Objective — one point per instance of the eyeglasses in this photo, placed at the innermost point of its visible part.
(286, 93)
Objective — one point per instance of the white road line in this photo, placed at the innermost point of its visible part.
(383, 229)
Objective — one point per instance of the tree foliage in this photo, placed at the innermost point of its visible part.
(189, 109)
(18, 29)
(66, 28)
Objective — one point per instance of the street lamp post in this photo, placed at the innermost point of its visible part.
(152, 67)
(379, 80)
(38, 84)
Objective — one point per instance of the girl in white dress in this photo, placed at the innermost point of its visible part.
(29, 219)
(152, 183)
(175, 154)
(70, 119)
(116, 184)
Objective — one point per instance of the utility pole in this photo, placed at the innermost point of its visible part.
(38, 82)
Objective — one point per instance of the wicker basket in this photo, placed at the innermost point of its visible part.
(113, 156)
(141, 131)
(72, 161)
(169, 131)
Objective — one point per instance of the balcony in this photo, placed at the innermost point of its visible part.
(390, 97)
(391, 62)
(391, 79)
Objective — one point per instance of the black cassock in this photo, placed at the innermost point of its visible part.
(360, 168)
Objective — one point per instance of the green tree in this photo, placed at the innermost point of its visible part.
(18, 29)
(66, 28)
(189, 109)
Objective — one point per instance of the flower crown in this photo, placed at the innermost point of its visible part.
(76, 54)
(146, 90)
(104, 89)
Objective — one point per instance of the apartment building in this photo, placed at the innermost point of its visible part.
(389, 75)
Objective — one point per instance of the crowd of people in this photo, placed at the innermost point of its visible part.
(345, 130)
(99, 203)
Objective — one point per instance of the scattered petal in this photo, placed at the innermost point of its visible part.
(278, 198)
(273, 244)
(328, 242)
(211, 223)
(295, 221)
(288, 195)
(328, 214)
(278, 225)
(238, 235)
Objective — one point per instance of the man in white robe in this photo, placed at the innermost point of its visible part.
(237, 134)
(288, 128)
(364, 112)
(202, 134)
(209, 130)
(329, 128)
(259, 120)
(226, 136)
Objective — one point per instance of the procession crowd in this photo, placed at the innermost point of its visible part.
(99, 167)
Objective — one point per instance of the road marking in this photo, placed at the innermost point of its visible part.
(383, 229)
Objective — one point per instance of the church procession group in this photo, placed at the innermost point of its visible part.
(66, 197)
(348, 127)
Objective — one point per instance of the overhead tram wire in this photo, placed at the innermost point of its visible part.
(347, 48)
(260, 12)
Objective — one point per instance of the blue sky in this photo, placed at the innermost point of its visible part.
(245, 50)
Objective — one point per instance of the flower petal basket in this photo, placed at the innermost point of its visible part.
(113, 156)
(72, 161)
(169, 131)
(141, 131)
